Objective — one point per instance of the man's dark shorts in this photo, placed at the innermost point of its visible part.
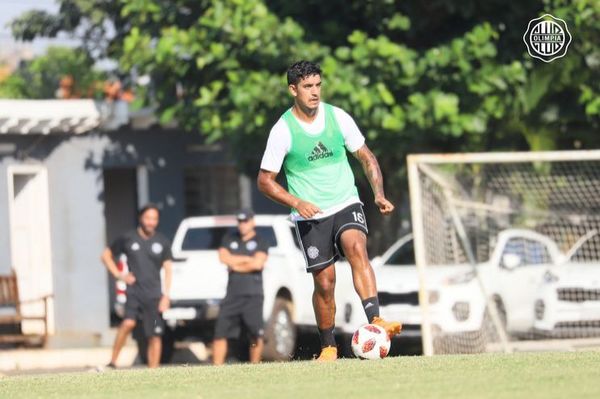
(237, 311)
(146, 310)
(320, 238)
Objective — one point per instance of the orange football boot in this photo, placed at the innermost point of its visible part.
(391, 327)
(328, 354)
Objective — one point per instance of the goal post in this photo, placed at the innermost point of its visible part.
(506, 244)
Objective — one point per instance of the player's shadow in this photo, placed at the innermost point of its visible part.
(308, 346)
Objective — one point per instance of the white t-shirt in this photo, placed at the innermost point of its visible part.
(280, 137)
(280, 142)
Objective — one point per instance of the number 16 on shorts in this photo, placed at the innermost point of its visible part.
(358, 217)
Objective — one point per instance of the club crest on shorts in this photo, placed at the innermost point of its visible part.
(312, 252)
(157, 248)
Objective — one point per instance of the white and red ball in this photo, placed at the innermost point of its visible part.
(370, 342)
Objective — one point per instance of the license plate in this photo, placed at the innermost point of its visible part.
(180, 314)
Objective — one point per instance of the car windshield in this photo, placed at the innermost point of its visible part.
(403, 256)
(589, 251)
(210, 238)
(531, 252)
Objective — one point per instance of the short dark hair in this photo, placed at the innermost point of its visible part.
(301, 70)
(146, 208)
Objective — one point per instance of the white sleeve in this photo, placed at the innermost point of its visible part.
(278, 145)
(353, 138)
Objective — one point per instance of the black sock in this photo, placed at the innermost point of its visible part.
(327, 337)
(371, 307)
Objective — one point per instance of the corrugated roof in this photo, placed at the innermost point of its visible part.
(61, 116)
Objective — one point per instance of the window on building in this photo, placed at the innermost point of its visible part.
(211, 190)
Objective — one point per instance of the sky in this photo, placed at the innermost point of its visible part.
(10, 9)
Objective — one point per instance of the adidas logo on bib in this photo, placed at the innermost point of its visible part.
(319, 152)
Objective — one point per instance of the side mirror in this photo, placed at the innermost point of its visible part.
(511, 261)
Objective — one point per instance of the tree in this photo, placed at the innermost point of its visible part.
(215, 66)
(40, 77)
(453, 74)
(417, 76)
(445, 76)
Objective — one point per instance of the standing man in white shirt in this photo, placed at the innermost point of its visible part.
(310, 142)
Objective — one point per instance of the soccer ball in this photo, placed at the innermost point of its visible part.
(370, 342)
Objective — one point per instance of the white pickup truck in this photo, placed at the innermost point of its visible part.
(200, 282)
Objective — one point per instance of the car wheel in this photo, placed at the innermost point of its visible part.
(168, 345)
(142, 344)
(501, 312)
(345, 345)
(280, 333)
(488, 329)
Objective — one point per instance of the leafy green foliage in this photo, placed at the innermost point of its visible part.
(418, 76)
(40, 77)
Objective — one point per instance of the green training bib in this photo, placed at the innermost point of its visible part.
(316, 167)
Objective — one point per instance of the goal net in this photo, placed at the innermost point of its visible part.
(507, 248)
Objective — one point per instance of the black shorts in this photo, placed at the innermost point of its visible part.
(146, 310)
(319, 238)
(237, 311)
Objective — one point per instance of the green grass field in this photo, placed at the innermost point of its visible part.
(525, 375)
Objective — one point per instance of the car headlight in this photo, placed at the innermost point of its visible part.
(550, 277)
(462, 278)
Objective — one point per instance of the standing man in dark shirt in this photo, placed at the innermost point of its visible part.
(147, 252)
(245, 254)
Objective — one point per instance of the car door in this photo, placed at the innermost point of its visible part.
(521, 269)
(199, 274)
(398, 284)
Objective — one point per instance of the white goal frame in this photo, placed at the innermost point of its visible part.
(417, 163)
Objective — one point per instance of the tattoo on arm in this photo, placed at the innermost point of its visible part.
(371, 169)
